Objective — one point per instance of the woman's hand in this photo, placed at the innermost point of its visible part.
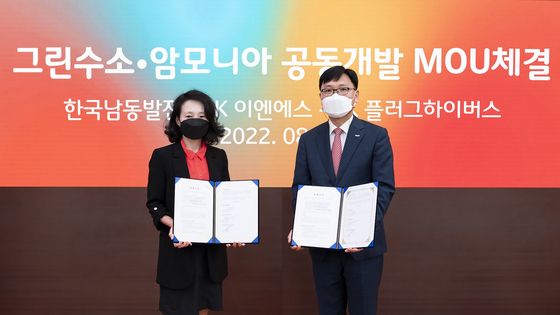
(167, 220)
(181, 244)
(236, 244)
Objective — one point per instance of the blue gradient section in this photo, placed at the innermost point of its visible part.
(140, 26)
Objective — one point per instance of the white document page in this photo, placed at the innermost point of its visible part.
(316, 217)
(194, 210)
(357, 226)
(237, 211)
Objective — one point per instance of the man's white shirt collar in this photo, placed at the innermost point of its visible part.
(345, 126)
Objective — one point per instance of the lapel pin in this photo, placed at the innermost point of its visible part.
(357, 136)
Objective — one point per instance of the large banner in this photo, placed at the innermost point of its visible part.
(468, 90)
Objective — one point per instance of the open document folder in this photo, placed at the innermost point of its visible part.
(216, 212)
(333, 217)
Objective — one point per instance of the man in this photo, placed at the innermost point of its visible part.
(346, 151)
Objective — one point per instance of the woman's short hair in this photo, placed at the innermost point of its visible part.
(215, 131)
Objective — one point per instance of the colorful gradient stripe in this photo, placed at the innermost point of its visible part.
(40, 147)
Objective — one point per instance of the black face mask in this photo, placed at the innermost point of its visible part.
(194, 128)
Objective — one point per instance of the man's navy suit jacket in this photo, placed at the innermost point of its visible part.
(367, 157)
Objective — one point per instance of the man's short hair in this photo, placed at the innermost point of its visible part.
(334, 73)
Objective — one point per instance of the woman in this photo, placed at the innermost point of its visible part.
(190, 275)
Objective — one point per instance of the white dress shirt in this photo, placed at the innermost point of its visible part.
(345, 126)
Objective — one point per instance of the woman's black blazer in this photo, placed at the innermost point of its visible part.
(175, 265)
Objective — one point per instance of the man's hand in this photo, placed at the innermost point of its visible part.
(296, 248)
(353, 250)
